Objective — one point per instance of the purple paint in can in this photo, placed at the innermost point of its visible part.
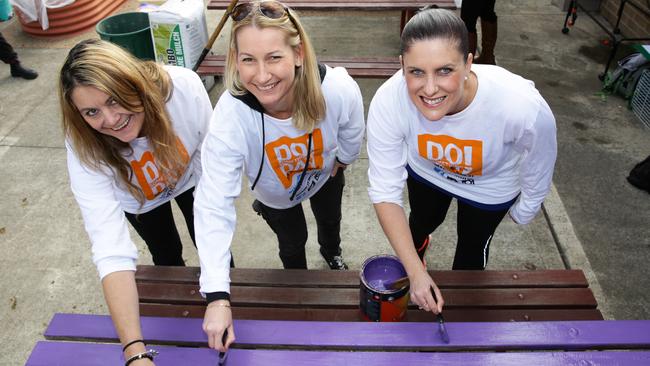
(376, 302)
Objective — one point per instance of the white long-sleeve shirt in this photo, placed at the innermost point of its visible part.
(103, 200)
(234, 146)
(501, 145)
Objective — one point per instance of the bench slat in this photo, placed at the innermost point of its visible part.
(348, 5)
(351, 315)
(350, 279)
(84, 354)
(570, 335)
(356, 67)
(349, 298)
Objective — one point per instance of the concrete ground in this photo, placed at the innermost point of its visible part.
(592, 220)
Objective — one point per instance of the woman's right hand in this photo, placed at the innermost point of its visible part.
(421, 286)
(217, 320)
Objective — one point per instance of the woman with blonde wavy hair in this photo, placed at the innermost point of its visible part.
(291, 126)
(133, 134)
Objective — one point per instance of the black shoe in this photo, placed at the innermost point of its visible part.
(335, 262)
(18, 71)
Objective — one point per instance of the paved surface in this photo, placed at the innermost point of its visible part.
(592, 220)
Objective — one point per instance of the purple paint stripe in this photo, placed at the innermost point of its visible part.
(95, 354)
(90, 354)
(503, 335)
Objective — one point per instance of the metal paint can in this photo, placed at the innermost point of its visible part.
(376, 302)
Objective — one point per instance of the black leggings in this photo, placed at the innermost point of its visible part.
(471, 10)
(291, 228)
(7, 53)
(158, 230)
(475, 226)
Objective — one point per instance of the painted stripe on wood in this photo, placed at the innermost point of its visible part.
(84, 354)
(570, 335)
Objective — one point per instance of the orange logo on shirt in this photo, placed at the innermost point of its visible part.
(148, 174)
(288, 155)
(464, 157)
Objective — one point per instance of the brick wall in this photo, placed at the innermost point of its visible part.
(634, 24)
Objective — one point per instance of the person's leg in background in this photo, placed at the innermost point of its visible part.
(158, 230)
(9, 56)
(429, 208)
(290, 227)
(469, 13)
(185, 202)
(488, 33)
(475, 230)
(326, 206)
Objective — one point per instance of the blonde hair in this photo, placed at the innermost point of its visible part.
(308, 102)
(138, 86)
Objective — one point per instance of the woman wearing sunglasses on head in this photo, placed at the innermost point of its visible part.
(449, 129)
(289, 124)
(133, 135)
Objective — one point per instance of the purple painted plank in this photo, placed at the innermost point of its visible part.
(94, 354)
(91, 354)
(360, 335)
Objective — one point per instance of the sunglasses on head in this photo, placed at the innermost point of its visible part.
(270, 9)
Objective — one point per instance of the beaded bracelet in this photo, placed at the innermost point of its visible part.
(149, 354)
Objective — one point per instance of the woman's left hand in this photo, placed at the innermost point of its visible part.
(337, 166)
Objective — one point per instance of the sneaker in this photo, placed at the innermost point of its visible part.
(336, 262)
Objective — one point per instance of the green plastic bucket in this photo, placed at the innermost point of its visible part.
(129, 30)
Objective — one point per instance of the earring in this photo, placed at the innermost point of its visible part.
(466, 78)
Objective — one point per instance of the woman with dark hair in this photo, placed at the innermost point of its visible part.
(448, 128)
(133, 134)
(291, 126)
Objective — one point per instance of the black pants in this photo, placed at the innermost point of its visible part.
(475, 226)
(7, 53)
(471, 10)
(291, 228)
(158, 230)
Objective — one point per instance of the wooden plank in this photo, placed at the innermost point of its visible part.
(348, 5)
(350, 279)
(84, 354)
(352, 315)
(570, 335)
(93, 354)
(349, 298)
(356, 67)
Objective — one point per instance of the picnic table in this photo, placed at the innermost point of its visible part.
(308, 317)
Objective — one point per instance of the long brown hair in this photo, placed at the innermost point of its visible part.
(309, 105)
(138, 86)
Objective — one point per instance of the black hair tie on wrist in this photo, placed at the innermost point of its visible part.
(132, 343)
(148, 354)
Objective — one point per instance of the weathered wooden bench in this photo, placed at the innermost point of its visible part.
(321, 295)
(298, 317)
(361, 67)
(181, 341)
(406, 7)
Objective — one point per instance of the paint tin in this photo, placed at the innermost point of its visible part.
(377, 303)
